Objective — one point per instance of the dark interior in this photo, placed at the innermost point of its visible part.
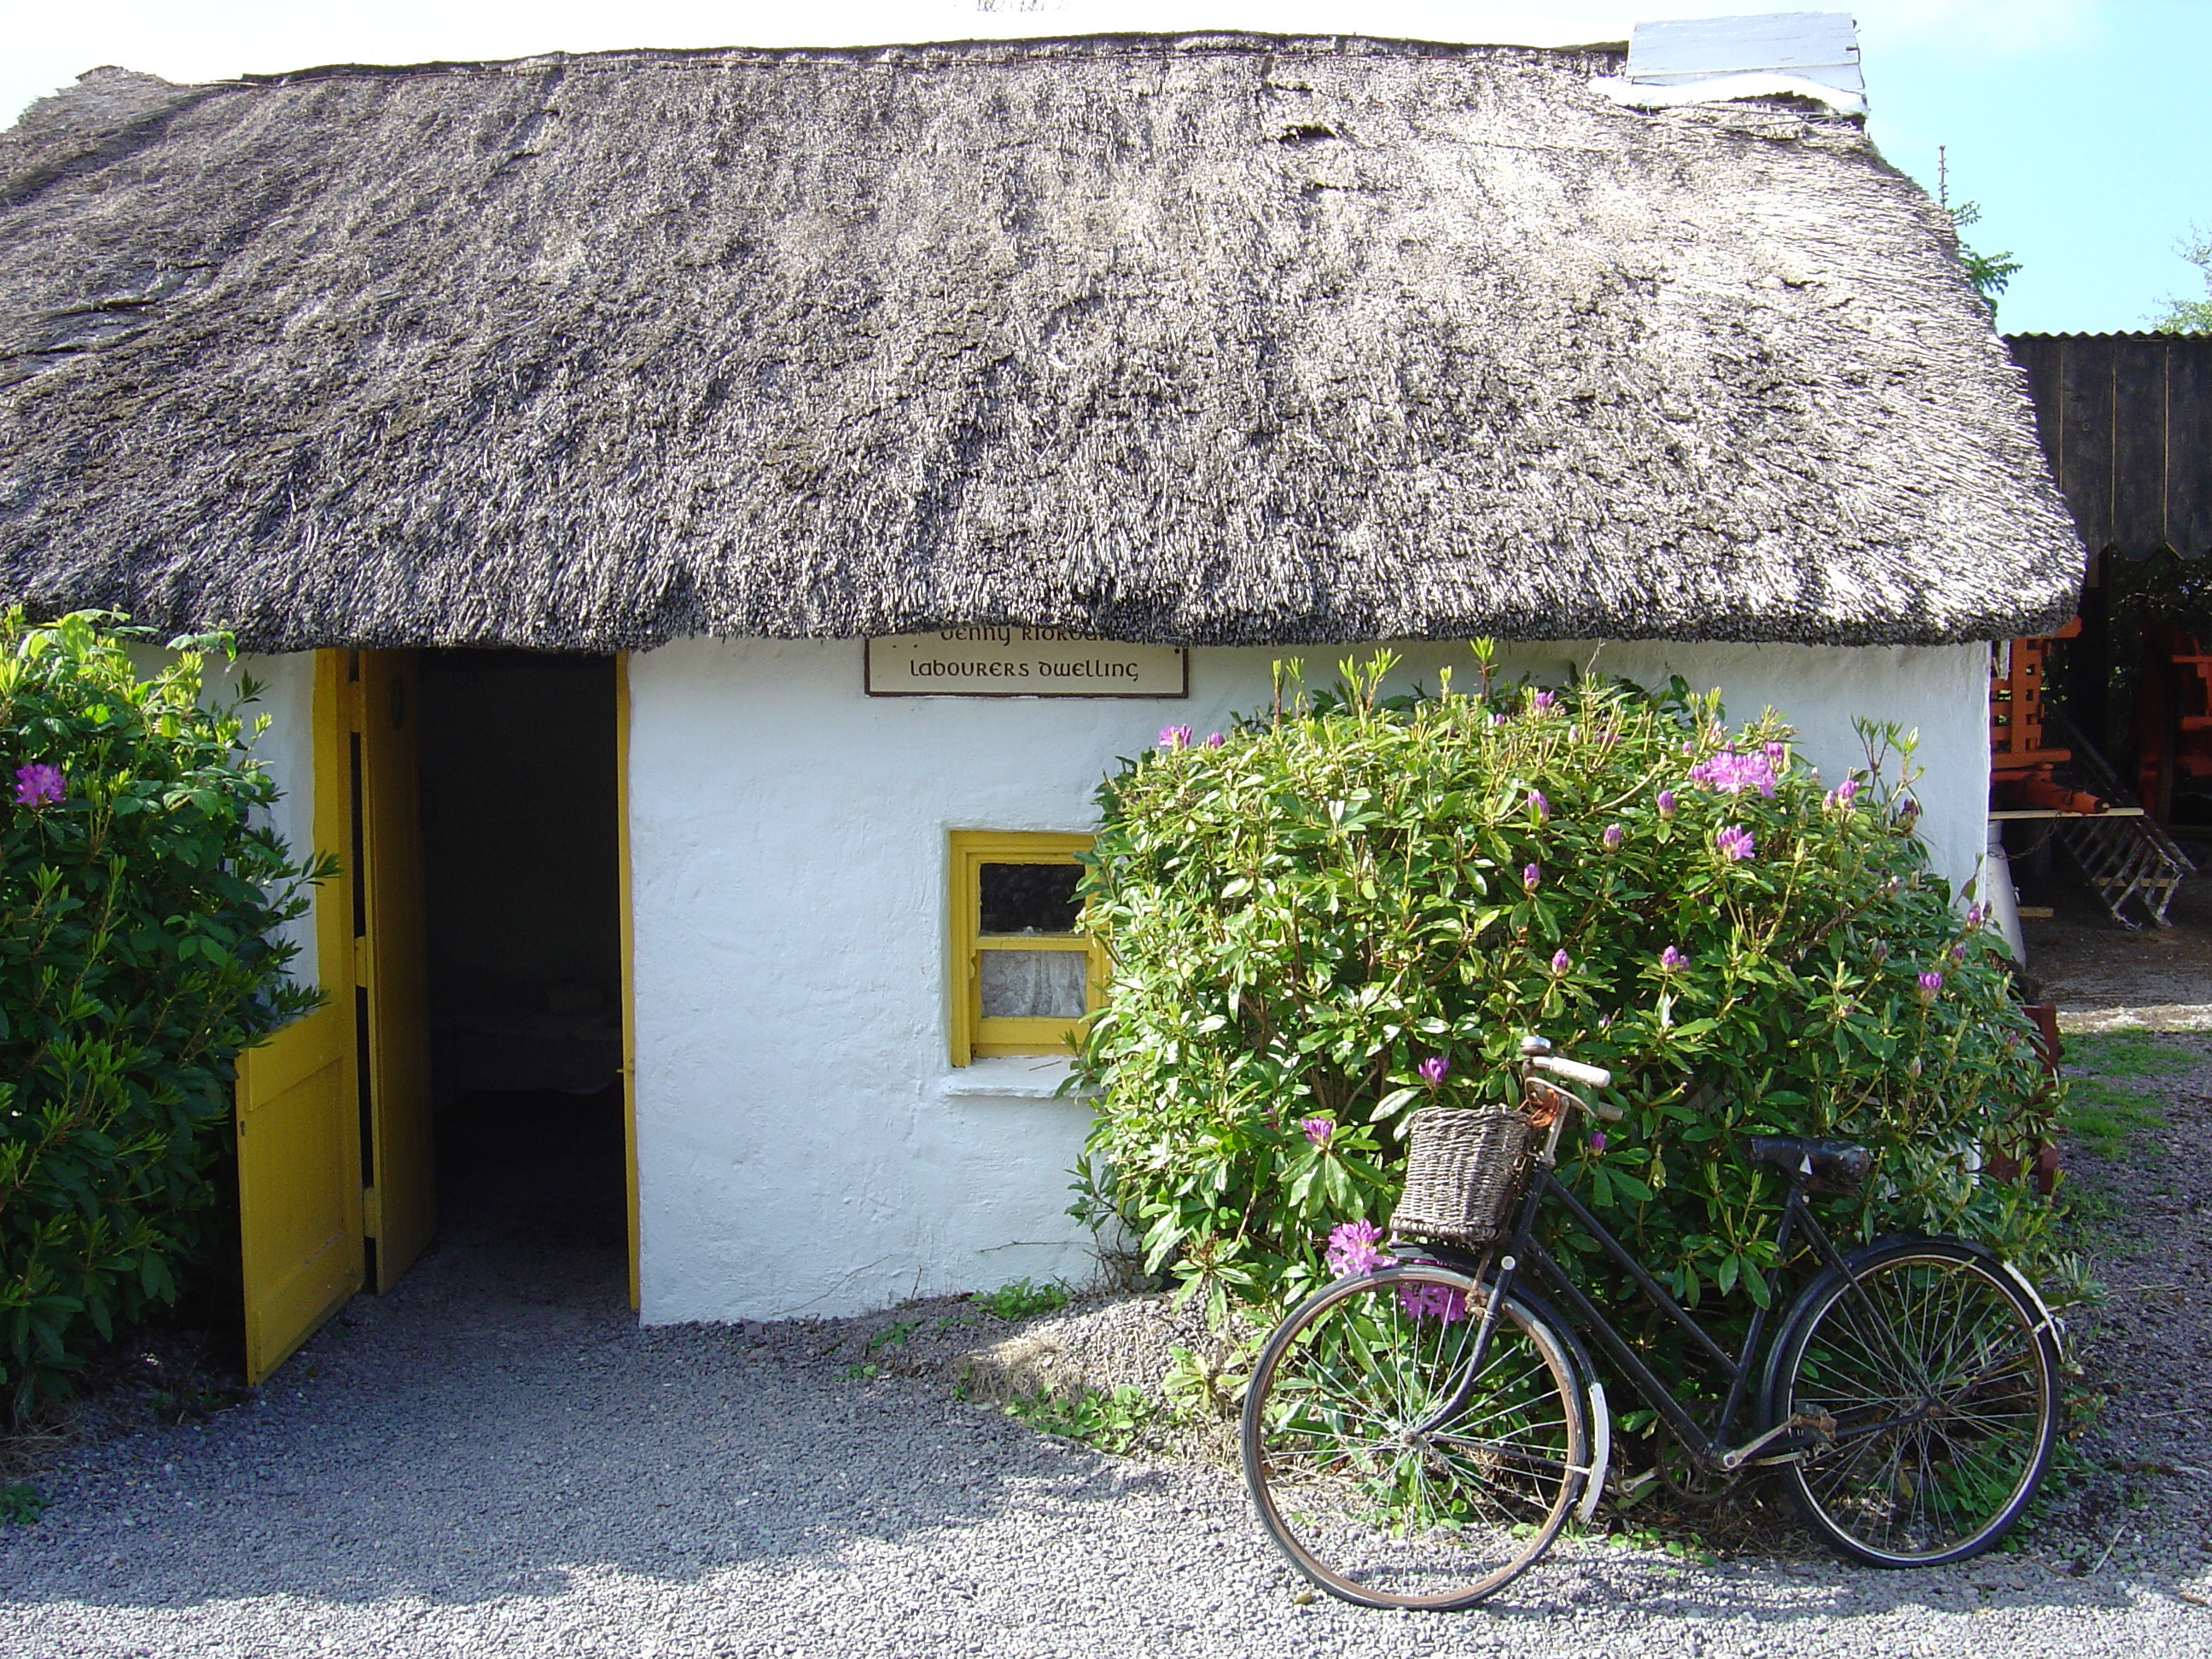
(521, 888)
(1030, 899)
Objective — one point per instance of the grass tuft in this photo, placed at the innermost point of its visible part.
(1023, 1300)
(21, 1504)
(2109, 1119)
(1117, 1422)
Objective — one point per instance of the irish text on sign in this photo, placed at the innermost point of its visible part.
(1022, 662)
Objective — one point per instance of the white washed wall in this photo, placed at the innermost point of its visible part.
(804, 1145)
(286, 750)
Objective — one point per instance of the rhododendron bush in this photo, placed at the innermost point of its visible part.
(1348, 907)
(141, 888)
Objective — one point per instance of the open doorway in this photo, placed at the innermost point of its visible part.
(522, 902)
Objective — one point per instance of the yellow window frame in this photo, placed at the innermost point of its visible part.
(975, 1036)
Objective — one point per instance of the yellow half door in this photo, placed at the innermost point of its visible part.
(298, 1115)
(402, 1201)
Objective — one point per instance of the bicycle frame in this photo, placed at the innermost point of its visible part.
(1522, 1250)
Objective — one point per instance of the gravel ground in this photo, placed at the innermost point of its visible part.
(2140, 1482)
(2096, 971)
(495, 1461)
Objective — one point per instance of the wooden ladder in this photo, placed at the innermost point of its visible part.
(2126, 860)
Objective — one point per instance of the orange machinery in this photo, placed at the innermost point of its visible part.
(2173, 698)
(2021, 763)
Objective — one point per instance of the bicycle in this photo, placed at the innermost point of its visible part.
(1416, 1435)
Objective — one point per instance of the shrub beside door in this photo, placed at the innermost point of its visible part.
(140, 885)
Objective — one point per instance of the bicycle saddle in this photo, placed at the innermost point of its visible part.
(1834, 1162)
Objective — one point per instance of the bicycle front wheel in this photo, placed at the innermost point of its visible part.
(1394, 1466)
(1939, 1374)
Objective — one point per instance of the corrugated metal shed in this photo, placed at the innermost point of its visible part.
(2126, 420)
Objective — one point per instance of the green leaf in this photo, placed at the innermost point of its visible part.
(1295, 920)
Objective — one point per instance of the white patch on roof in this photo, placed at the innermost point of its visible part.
(1807, 54)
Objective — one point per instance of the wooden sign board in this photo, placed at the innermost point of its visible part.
(1022, 662)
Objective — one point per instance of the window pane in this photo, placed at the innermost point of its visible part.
(1030, 899)
(1034, 984)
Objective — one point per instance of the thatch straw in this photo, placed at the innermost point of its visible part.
(1206, 339)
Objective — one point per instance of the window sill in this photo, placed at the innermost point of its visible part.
(1009, 1077)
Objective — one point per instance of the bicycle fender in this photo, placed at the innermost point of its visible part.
(1601, 1452)
(1769, 1364)
(1593, 1391)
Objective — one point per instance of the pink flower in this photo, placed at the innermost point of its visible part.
(1214, 741)
(1539, 806)
(1545, 700)
(1532, 877)
(1930, 983)
(1561, 961)
(1879, 950)
(1671, 960)
(1432, 1070)
(1175, 737)
(1666, 803)
(1498, 719)
(1974, 914)
(1597, 1140)
(1841, 793)
(1433, 1302)
(1731, 774)
(1957, 953)
(1612, 837)
(1318, 1129)
(1735, 842)
(38, 784)
(1774, 752)
(1353, 1248)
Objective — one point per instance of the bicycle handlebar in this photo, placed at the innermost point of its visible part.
(1573, 1070)
(1595, 1077)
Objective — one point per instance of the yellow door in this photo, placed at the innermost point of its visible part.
(402, 1201)
(299, 1120)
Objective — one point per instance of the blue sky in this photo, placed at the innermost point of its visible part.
(2090, 154)
(2082, 127)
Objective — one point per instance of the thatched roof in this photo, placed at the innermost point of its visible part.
(1205, 338)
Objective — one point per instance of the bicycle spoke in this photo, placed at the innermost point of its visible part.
(1391, 1464)
(1941, 1393)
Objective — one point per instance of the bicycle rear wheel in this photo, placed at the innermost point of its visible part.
(1940, 1372)
(1392, 1470)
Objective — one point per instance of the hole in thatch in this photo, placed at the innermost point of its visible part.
(1307, 133)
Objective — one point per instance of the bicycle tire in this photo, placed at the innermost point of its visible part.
(1385, 1481)
(1940, 1371)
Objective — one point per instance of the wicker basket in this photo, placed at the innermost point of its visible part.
(1462, 1172)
